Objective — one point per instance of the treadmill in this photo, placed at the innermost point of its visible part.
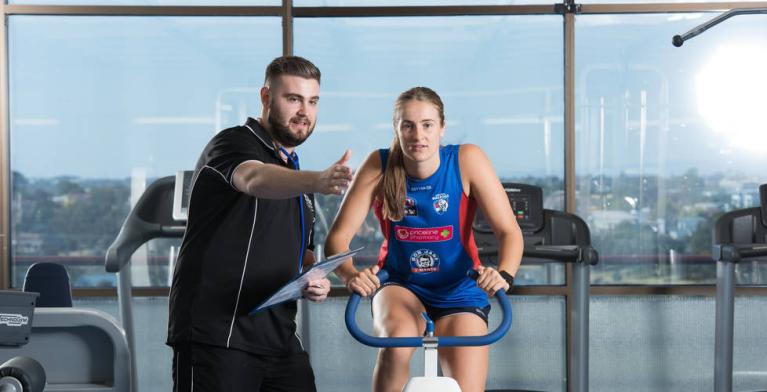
(159, 213)
(738, 235)
(552, 236)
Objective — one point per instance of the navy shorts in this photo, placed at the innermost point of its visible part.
(437, 313)
(200, 367)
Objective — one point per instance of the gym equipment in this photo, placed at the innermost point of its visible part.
(430, 382)
(81, 350)
(51, 281)
(78, 349)
(150, 218)
(16, 317)
(678, 40)
(22, 374)
(738, 235)
(552, 235)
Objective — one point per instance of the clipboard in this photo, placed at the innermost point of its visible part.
(293, 290)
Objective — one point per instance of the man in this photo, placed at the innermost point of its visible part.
(249, 232)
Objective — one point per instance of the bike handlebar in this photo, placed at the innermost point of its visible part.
(444, 341)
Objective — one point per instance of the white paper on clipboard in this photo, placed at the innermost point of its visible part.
(294, 289)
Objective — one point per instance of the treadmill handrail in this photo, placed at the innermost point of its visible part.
(130, 238)
(135, 230)
(560, 253)
(734, 253)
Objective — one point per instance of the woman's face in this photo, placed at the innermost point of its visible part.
(420, 130)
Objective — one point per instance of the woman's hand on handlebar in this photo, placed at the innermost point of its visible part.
(490, 280)
(365, 283)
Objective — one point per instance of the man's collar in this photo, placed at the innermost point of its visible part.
(257, 129)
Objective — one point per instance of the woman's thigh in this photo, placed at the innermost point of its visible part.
(397, 312)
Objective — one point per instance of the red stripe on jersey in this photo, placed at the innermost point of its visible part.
(385, 225)
(466, 218)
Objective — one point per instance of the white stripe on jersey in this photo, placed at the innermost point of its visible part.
(242, 278)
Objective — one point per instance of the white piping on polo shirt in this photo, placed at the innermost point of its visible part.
(262, 140)
(216, 171)
(300, 342)
(242, 278)
(259, 138)
(231, 182)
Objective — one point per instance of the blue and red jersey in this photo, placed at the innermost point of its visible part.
(430, 250)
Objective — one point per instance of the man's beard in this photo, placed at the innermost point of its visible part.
(282, 134)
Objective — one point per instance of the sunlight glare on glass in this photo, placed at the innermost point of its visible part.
(732, 95)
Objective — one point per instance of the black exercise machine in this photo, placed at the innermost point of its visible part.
(738, 235)
(151, 217)
(552, 236)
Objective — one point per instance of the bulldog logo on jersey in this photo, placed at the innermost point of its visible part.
(424, 260)
(410, 209)
(440, 202)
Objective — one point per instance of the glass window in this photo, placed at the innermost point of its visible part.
(653, 1)
(102, 106)
(500, 78)
(152, 2)
(667, 140)
(378, 3)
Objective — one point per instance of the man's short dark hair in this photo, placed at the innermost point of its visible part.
(291, 65)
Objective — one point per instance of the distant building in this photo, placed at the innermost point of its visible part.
(27, 243)
(608, 219)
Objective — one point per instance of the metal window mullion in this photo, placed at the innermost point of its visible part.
(287, 27)
(130, 10)
(569, 115)
(650, 8)
(569, 125)
(287, 9)
(5, 196)
(394, 11)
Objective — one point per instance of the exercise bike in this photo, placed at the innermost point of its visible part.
(430, 381)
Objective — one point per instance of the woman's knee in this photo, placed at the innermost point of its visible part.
(396, 356)
(397, 325)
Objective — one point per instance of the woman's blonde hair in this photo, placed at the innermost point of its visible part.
(395, 178)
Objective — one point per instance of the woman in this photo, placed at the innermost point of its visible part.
(425, 196)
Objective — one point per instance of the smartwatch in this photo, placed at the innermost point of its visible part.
(508, 278)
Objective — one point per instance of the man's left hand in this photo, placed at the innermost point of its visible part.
(317, 290)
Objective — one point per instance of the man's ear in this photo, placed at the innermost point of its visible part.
(265, 93)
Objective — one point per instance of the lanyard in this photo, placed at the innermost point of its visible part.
(294, 162)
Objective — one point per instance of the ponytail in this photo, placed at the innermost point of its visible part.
(394, 180)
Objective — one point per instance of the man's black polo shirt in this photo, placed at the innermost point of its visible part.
(237, 251)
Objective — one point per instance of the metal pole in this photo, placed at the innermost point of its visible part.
(579, 357)
(678, 40)
(124, 285)
(725, 314)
